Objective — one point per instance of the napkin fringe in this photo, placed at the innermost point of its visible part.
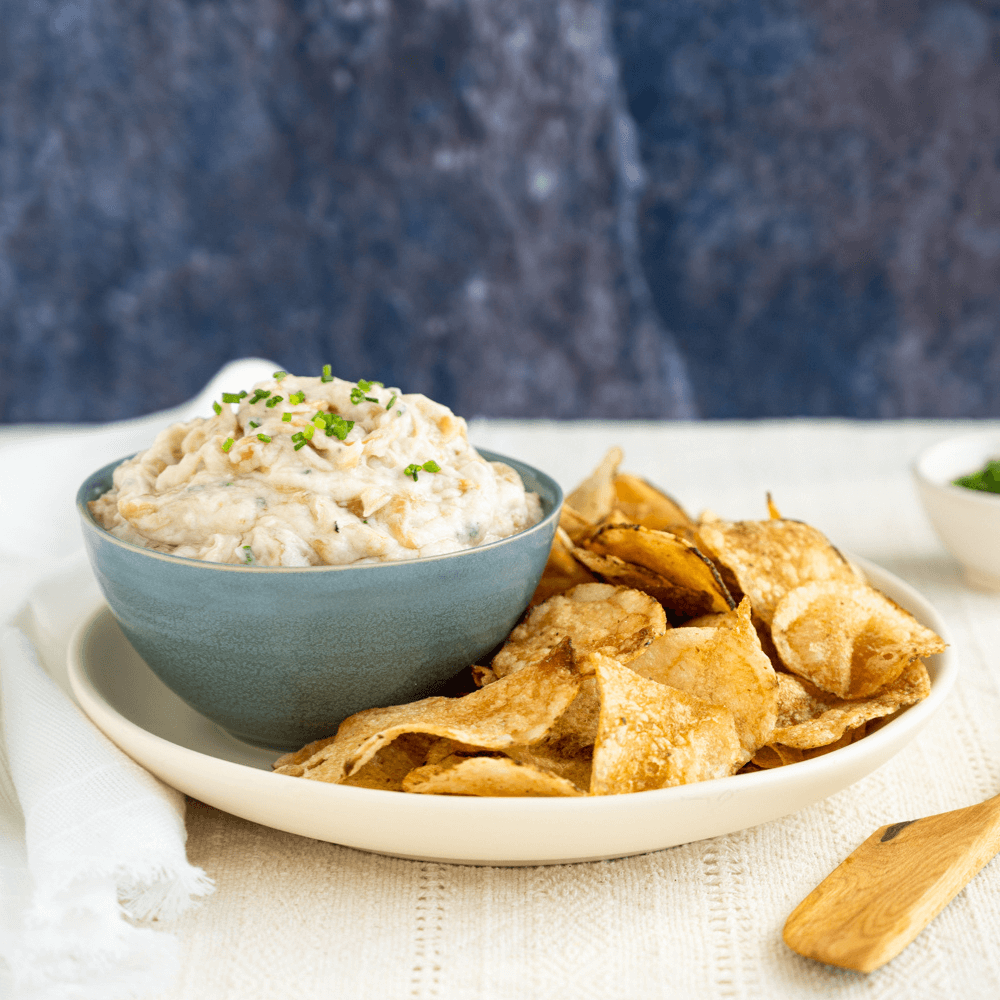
(163, 892)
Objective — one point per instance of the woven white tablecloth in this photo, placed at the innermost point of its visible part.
(296, 918)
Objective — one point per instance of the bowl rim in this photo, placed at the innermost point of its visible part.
(88, 522)
(948, 488)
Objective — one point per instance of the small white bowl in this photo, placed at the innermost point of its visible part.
(967, 521)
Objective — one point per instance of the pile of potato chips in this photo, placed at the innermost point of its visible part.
(657, 651)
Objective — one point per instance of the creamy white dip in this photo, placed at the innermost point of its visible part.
(248, 485)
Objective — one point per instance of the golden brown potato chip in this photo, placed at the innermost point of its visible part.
(572, 735)
(723, 665)
(556, 758)
(654, 736)
(777, 755)
(387, 769)
(809, 717)
(680, 577)
(770, 558)
(562, 571)
(595, 616)
(594, 498)
(644, 504)
(574, 523)
(499, 776)
(516, 709)
(847, 638)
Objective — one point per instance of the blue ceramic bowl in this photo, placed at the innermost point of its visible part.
(278, 656)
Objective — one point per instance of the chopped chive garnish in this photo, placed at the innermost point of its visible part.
(326, 376)
(255, 423)
(249, 552)
(297, 397)
(356, 395)
(365, 386)
(232, 397)
(319, 421)
(258, 395)
(217, 408)
(301, 444)
(273, 401)
(338, 427)
(278, 376)
(308, 431)
(428, 466)
(297, 436)
(287, 417)
(391, 401)
(263, 437)
(227, 444)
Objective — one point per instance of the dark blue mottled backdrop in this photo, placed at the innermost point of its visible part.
(567, 208)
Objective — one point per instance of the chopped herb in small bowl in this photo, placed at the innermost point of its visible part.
(986, 479)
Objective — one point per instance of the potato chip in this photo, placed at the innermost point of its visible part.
(809, 717)
(778, 755)
(595, 616)
(723, 665)
(654, 736)
(666, 566)
(387, 769)
(644, 504)
(515, 709)
(594, 498)
(574, 523)
(562, 572)
(492, 775)
(572, 735)
(847, 638)
(558, 757)
(770, 558)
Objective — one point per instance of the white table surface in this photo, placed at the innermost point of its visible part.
(296, 918)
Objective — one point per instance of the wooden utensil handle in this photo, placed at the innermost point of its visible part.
(884, 894)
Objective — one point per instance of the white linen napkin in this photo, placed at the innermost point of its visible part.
(91, 845)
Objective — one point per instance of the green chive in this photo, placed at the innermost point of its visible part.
(258, 395)
(308, 431)
(273, 401)
(357, 395)
(263, 437)
(391, 401)
(327, 374)
(232, 397)
(412, 470)
(278, 376)
(287, 417)
(217, 408)
(431, 466)
(227, 444)
(338, 427)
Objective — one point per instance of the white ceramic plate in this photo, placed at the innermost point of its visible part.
(151, 724)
